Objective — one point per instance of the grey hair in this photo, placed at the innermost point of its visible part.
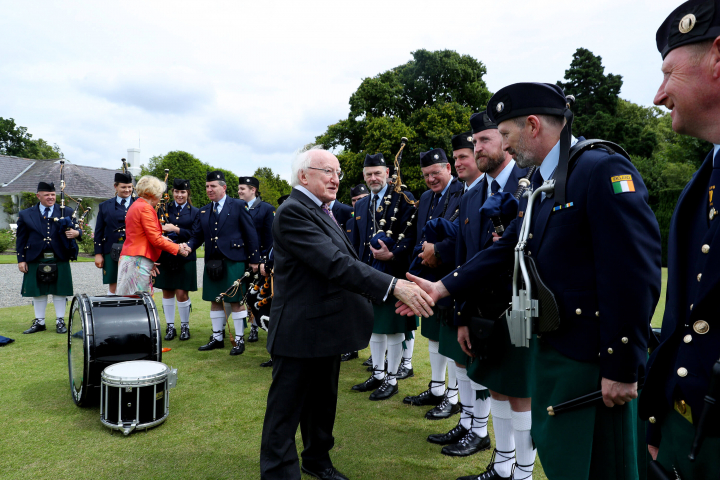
(150, 187)
(301, 162)
(221, 183)
(552, 120)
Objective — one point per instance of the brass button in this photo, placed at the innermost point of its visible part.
(691, 305)
(652, 419)
(624, 339)
(578, 311)
(610, 351)
(705, 248)
(530, 236)
(597, 314)
(682, 371)
(699, 276)
(529, 253)
(455, 274)
(459, 313)
(701, 327)
(687, 338)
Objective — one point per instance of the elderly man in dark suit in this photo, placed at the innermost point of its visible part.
(321, 309)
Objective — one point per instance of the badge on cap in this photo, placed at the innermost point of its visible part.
(218, 176)
(469, 139)
(500, 107)
(687, 23)
(436, 156)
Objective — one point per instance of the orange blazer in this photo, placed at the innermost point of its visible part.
(143, 234)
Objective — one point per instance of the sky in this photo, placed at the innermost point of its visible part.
(245, 84)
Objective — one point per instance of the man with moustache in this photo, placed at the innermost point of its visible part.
(680, 370)
(373, 215)
(604, 314)
(321, 309)
(442, 200)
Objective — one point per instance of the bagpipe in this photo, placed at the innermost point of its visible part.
(259, 300)
(126, 172)
(69, 222)
(384, 227)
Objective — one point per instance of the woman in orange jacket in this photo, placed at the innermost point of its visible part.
(144, 240)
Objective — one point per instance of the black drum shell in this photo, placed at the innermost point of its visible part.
(114, 329)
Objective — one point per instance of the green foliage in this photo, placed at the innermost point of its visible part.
(7, 239)
(427, 100)
(87, 241)
(16, 141)
(188, 167)
(272, 186)
(667, 200)
(27, 200)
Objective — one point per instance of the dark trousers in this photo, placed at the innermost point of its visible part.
(303, 391)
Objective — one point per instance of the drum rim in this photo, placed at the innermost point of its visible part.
(131, 380)
(87, 326)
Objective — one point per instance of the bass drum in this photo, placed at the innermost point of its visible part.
(106, 330)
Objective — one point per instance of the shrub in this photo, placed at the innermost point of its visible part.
(7, 239)
(87, 242)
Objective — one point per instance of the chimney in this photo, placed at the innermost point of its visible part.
(133, 158)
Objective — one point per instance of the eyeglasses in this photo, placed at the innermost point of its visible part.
(434, 174)
(329, 172)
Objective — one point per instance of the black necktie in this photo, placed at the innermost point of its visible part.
(124, 203)
(45, 211)
(494, 187)
(434, 202)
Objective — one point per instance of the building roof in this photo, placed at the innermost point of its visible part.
(80, 180)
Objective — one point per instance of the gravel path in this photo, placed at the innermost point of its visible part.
(86, 279)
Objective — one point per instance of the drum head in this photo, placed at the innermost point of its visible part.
(77, 351)
(135, 372)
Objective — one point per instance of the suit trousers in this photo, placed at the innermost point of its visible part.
(303, 391)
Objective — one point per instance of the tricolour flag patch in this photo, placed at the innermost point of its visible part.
(622, 184)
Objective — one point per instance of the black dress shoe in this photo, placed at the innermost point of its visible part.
(253, 337)
(170, 332)
(35, 327)
(213, 344)
(425, 398)
(269, 363)
(453, 436)
(239, 347)
(327, 474)
(60, 325)
(348, 356)
(489, 474)
(404, 373)
(468, 445)
(184, 332)
(443, 411)
(384, 391)
(368, 362)
(370, 384)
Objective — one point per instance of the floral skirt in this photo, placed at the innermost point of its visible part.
(134, 275)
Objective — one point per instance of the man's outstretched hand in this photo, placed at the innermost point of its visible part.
(413, 298)
(433, 290)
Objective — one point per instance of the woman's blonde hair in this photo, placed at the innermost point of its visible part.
(150, 187)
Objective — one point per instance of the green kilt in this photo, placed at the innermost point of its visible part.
(430, 328)
(449, 346)
(62, 287)
(388, 322)
(677, 438)
(593, 442)
(110, 270)
(213, 288)
(507, 374)
(183, 279)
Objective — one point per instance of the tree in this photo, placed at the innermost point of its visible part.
(427, 100)
(272, 186)
(16, 141)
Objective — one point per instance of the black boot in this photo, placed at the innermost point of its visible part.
(269, 363)
(368, 362)
(370, 384)
(426, 397)
(386, 390)
(446, 409)
(348, 356)
(453, 436)
(185, 332)
(213, 344)
(403, 371)
(239, 347)
(468, 445)
(36, 327)
(170, 332)
(60, 325)
(253, 337)
(490, 473)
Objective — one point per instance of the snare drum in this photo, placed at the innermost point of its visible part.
(134, 395)
(103, 331)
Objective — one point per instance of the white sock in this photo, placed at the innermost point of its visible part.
(408, 352)
(109, 292)
(378, 345)
(437, 368)
(466, 397)
(217, 317)
(525, 452)
(453, 395)
(40, 305)
(481, 411)
(60, 303)
(394, 354)
(504, 436)
(239, 321)
(184, 311)
(169, 310)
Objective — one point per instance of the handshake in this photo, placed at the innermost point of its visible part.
(184, 250)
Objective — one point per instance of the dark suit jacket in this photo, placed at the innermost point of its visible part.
(342, 213)
(601, 258)
(187, 221)
(263, 215)
(445, 248)
(32, 232)
(109, 225)
(322, 292)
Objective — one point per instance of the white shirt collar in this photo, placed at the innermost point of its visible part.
(477, 180)
(331, 204)
(502, 177)
(380, 194)
(180, 206)
(42, 207)
(310, 195)
(119, 200)
(221, 202)
(715, 151)
(548, 166)
(251, 202)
